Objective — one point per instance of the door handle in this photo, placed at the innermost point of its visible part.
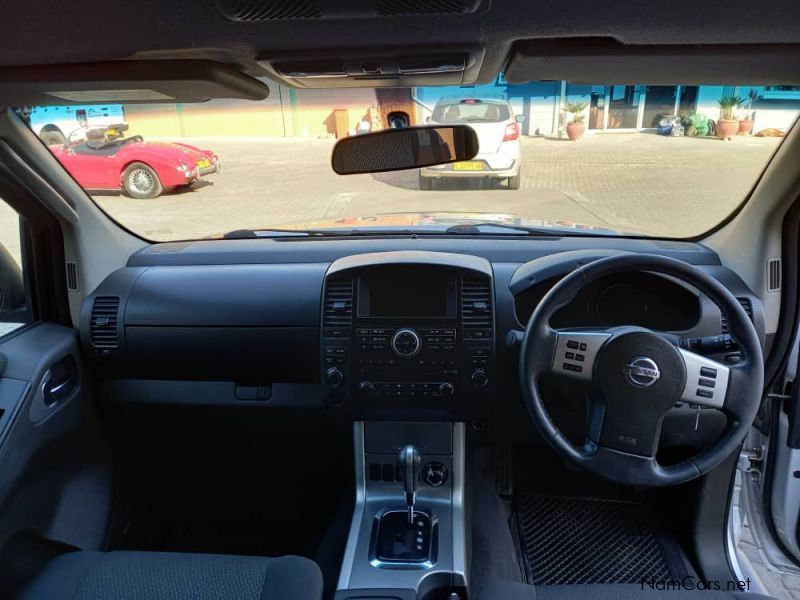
(60, 381)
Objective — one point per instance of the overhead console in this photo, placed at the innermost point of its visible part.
(408, 334)
(378, 68)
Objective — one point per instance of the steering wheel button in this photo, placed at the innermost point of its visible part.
(582, 347)
(569, 355)
(705, 393)
(708, 372)
(580, 357)
(573, 345)
(707, 383)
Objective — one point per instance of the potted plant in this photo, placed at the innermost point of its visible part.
(728, 125)
(575, 126)
(746, 124)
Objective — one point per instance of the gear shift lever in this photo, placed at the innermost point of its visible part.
(409, 460)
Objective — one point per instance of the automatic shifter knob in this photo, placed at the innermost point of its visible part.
(409, 459)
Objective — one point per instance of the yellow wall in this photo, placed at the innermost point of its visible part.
(152, 120)
(299, 113)
(312, 114)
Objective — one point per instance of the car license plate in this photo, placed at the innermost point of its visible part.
(203, 163)
(468, 165)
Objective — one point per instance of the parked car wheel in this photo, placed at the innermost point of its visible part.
(53, 138)
(140, 181)
(513, 182)
(425, 183)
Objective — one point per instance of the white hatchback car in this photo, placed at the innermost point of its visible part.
(498, 132)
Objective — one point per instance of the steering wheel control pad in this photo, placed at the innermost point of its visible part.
(642, 376)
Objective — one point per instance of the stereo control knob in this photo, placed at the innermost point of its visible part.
(446, 389)
(435, 474)
(335, 377)
(406, 343)
(480, 378)
(366, 387)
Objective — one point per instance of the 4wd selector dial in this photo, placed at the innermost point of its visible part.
(406, 343)
(434, 474)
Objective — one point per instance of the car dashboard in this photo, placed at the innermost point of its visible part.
(409, 328)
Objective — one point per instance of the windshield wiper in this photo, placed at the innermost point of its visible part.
(248, 234)
(244, 234)
(484, 228)
(478, 228)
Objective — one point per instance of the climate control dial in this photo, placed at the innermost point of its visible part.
(406, 343)
(445, 389)
(479, 378)
(335, 377)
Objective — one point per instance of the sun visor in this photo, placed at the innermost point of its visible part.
(609, 62)
(129, 82)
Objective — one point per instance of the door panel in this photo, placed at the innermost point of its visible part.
(55, 476)
(91, 172)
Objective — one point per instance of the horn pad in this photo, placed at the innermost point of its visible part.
(642, 376)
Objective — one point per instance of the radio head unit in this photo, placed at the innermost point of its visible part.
(409, 337)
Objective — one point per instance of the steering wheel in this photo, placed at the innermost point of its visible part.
(636, 375)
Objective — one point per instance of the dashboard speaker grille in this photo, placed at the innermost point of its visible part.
(103, 327)
(748, 308)
(72, 276)
(476, 303)
(774, 274)
(269, 10)
(338, 303)
(391, 8)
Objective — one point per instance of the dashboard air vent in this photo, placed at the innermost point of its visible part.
(103, 328)
(476, 307)
(269, 10)
(748, 308)
(338, 303)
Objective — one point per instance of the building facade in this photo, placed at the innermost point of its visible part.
(622, 108)
(301, 113)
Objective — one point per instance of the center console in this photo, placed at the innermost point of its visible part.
(407, 345)
(409, 335)
(389, 555)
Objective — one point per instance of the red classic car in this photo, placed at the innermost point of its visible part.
(104, 160)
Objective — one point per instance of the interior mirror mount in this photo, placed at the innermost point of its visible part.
(405, 148)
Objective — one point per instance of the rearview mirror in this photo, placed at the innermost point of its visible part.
(409, 148)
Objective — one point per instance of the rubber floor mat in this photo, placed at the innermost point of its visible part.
(592, 541)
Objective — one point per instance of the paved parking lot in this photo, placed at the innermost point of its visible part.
(628, 182)
(631, 182)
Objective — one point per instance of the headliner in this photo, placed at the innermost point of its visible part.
(43, 32)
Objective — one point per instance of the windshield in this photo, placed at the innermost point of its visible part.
(664, 161)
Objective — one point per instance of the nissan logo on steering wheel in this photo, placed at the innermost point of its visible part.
(642, 372)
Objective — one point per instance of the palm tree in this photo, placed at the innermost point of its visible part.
(726, 106)
(576, 110)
